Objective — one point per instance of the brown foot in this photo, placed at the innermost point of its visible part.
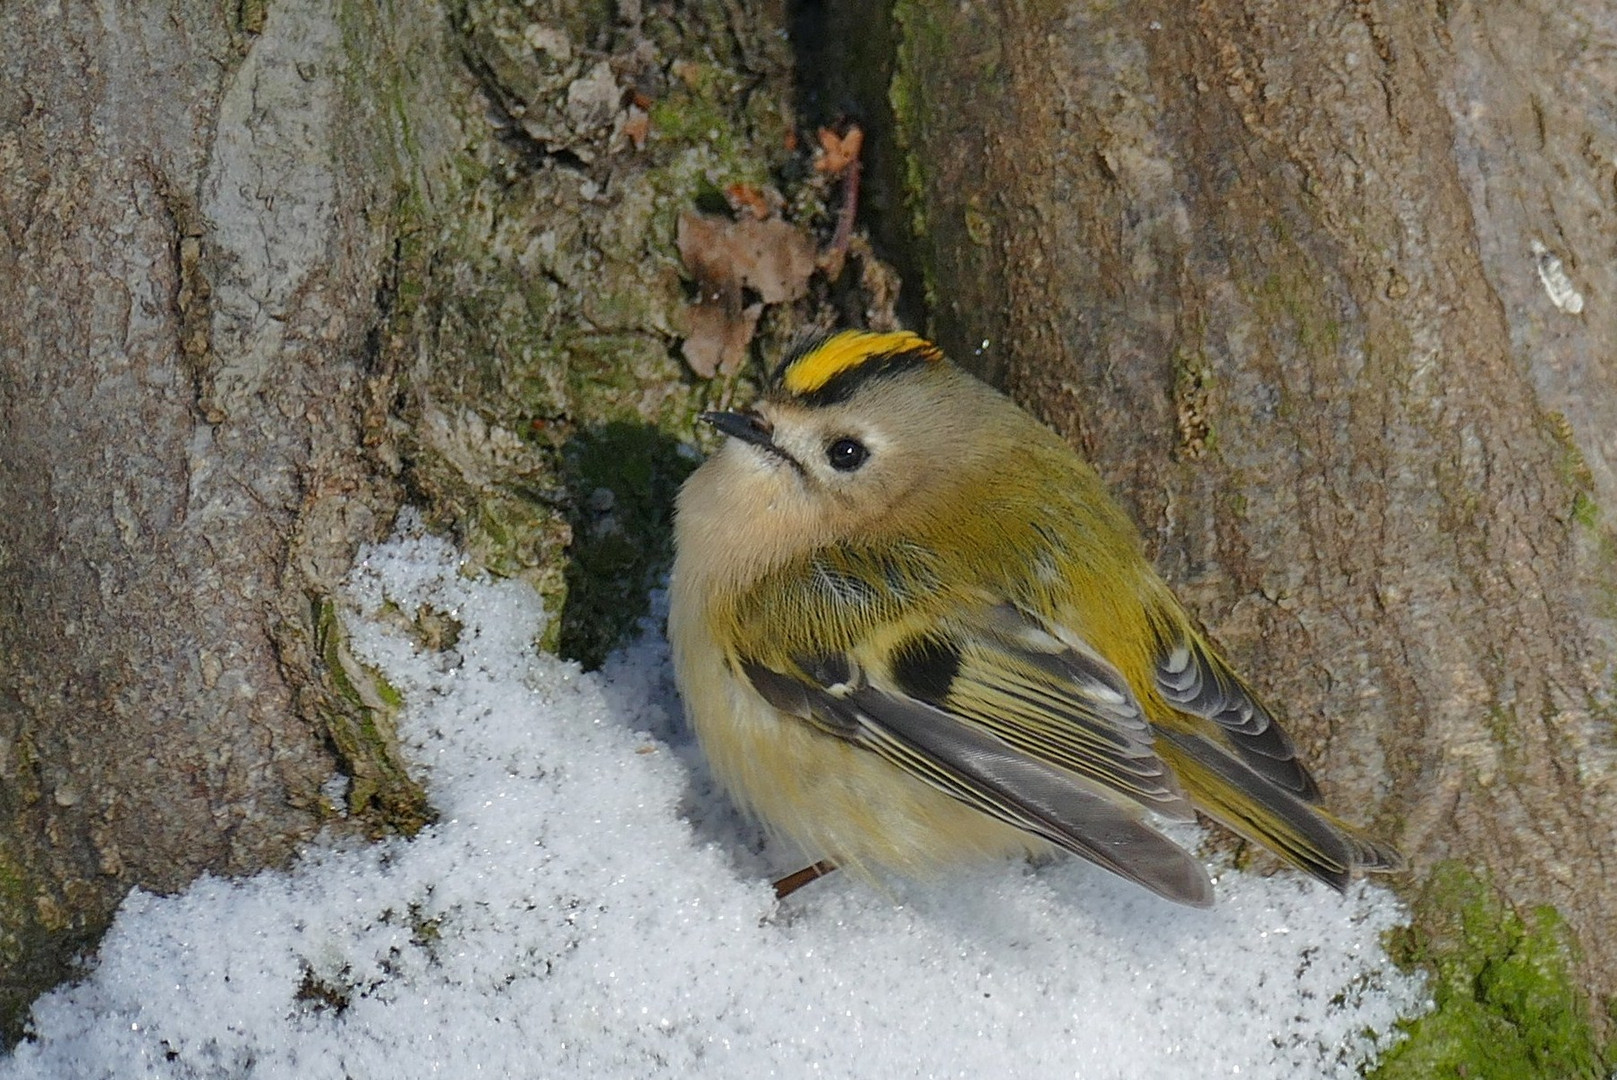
(789, 884)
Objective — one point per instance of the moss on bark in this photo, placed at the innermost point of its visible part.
(1505, 999)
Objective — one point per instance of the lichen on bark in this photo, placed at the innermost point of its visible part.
(1505, 1002)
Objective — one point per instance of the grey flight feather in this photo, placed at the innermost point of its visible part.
(965, 756)
(1030, 794)
(1194, 681)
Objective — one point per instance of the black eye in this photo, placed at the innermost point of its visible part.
(846, 455)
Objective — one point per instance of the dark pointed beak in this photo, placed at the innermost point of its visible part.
(749, 427)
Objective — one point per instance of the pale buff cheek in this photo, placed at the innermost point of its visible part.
(831, 798)
(738, 517)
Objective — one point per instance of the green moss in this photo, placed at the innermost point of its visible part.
(317, 994)
(1597, 541)
(697, 111)
(951, 74)
(1292, 299)
(607, 373)
(922, 38)
(16, 906)
(1585, 511)
(359, 716)
(1603, 541)
(13, 883)
(940, 45)
(1505, 1004)
(1505, 728)
(40, 936)
(1574, 471)
(710, 130)
(426, 931)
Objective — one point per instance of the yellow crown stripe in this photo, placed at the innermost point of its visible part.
(845, 352)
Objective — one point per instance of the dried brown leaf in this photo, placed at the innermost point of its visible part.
(636, 126)
(749, 199)
(771, 258)
(837, 152)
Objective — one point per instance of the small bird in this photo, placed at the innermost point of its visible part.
(911, 628)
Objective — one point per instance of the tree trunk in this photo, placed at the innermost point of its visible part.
(199, 211)
(1299, 278)
(267, 269)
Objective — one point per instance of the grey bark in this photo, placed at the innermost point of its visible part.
(197, 219)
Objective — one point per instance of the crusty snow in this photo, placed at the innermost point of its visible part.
(588, 906)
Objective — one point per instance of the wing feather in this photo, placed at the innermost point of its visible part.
(1192, 679)
(1031, 794)
(1297, 830)
(993, 711)
(993, 703)
(1054, 701)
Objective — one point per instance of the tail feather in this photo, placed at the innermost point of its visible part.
(1370, 854)
(1230, 792)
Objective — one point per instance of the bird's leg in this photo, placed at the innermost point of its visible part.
(789, 884)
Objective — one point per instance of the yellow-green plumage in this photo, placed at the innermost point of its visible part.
(955, 648)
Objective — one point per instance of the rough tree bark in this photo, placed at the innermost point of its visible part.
(199, 206)
(1285, 272)
(267, 269)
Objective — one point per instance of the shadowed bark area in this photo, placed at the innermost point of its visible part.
(1280, 272)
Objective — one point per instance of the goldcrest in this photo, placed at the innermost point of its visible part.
(911, 628)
